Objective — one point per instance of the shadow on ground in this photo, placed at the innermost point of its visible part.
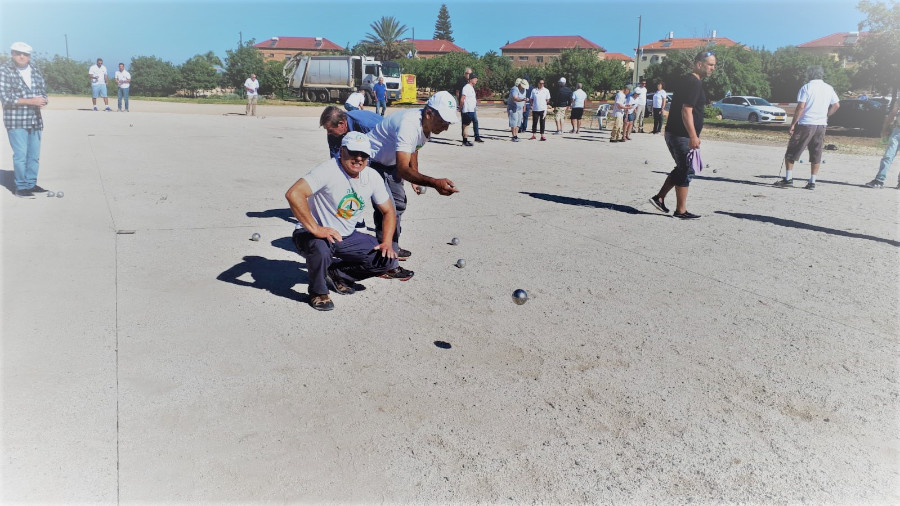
(285, 214)
(277, 277)
(572, 201)
(806, 226)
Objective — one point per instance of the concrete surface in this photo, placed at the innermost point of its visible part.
(746, 357)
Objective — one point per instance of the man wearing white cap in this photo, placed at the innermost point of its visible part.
(327, 203)
(562, 103)
(23, 93)
(99, 76)
(395, 144)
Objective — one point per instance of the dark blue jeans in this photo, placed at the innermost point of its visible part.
(357, 259)
(679, 147)
(467, 118)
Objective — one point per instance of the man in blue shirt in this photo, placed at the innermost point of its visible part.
(380, 96)
(337, 123)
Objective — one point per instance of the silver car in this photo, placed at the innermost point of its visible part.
(752, 109)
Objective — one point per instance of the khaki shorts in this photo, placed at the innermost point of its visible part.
(812, 136)
(560, 113)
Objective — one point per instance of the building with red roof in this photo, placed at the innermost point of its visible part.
(537, 50)
(656, 52)
(429, 48)
(626, 60)
(282, 48)
(835, 46)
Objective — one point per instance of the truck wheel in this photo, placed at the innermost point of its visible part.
(370, 100)
(310, 95)
(324, 97)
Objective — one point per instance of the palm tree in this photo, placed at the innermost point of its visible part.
(385, 42)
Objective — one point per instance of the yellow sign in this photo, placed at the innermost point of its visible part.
(407, 89)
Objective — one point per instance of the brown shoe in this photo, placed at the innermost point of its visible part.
(321, 303)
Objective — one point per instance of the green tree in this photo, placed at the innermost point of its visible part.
(385, 43)
(497, 74)
(151, 76)
(64, 75)
(878, 50)
(271, 78)
(442, 28)
(739, 71)
(240, 63)
(786, 71)
(198, 73)
(584, 66)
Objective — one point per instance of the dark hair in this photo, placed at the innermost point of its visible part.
(702, 55)
(663, 83)
(120, 63)
(331, 116)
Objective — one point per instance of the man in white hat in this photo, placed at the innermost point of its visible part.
(562, 102)
(327, 203)
(99, 77)
(395, 144)
(23, 93)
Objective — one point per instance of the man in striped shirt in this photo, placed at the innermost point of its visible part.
(23, 94)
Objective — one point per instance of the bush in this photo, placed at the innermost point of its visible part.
(710, 112)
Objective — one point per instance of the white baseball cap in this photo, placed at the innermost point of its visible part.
(20, 47)
(444, 103)
(562, 80)
(357, 141)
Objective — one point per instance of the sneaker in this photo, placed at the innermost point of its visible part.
(533, 137)
(321, 303)
(613, 140)
(95, 107)
(658, 203)
(24, 194)
(810, 186)
(543, 138)
(875, 184)
(403, 254)
(515, 139)
(467, 143)
(479, 139)
(108, 109)
(398, 273)
(898, 185)
(37, 189)
(687, 215)
(784, 183)
(334, 283)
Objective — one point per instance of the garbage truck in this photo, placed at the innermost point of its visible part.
(333, 78)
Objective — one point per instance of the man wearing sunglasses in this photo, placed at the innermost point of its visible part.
(327, 203)
(395, 145)
(683, 133)
(23, 94)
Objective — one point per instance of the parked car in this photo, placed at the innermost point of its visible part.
(752, 109)
(649, 109)
(865, 114)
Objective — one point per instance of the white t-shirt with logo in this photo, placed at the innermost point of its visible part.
(401, 132)
(98, 74)
(819, 96)
(658, 98)
(253, 85)
(356, 99)
(578, 98)
(640, 95)
(338, 199)
(539, 99)
(468, 91)
(121, 77)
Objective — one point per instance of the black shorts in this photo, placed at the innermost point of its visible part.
(577, 113)
(467, 118)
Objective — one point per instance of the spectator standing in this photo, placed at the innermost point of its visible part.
(380, 96)
(630, 105)
(561, 104)
(467, 106)
(816, 101)
(463, 81)
(123, 81)
(578, 99)
(539, 99)
(683, 133)
(251, 86)
(99, 77)
(620, 108)
(355, 101)
(515, 104)
(891, 131)
(659, 105)
(527, 111)
(23, 93)
(640, 97)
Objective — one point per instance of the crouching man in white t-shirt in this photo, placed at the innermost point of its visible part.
(326, 203)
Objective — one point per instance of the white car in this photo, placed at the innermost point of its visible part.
(752, 109)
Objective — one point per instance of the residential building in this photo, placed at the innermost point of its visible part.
(429, 48)
(626, 60)
(656, 52)
(834, 46)
(538, 50)
(282, 48)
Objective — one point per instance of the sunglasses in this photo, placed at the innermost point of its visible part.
(358, 154)
(19, 53)
(703, 56)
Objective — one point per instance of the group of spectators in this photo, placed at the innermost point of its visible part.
(538, 101)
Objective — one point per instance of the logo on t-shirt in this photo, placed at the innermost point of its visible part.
(350, 205)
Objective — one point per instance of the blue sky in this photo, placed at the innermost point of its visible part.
(175, 31)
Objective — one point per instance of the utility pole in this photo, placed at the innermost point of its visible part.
(67, 45)
(637, 55)
(240, 39)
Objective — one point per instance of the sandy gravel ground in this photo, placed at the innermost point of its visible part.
(152, 353)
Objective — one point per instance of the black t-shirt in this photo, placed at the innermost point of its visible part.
(688, 91)
(457, 91)
(563, 97)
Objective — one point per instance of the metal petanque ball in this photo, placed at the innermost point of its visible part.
(460, 263)
(520, 296)
(254, 237)
(454, 241)
(59, 195)
(422, 190)
(51, 194)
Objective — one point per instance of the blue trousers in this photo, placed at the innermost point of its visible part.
(26, 148)
(123, 93)
(381, 105)
(394, 185)
(357, 260)
(889, 154)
